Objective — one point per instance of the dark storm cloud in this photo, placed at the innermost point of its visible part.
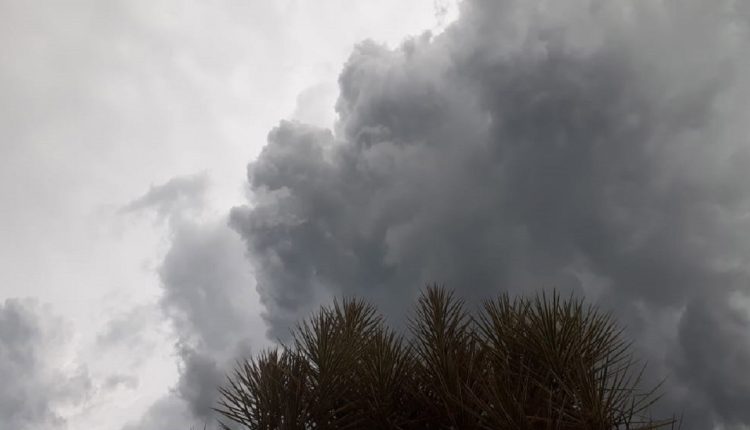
(715, 343)
(599, 147)
(34, 386)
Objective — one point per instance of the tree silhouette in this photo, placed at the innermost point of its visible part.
(525, 363)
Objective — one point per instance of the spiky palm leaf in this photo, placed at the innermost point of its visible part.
(448, 360)
(541, 363)
(561, 365)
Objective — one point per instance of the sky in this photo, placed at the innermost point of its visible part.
(125, 131)
(182, 182)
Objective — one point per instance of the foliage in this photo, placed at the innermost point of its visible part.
(539, 363)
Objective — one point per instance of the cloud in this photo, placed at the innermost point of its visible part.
(715, 343)
(38, 386)
(128, 340)
(126, 327)
(207, 297)
(598, 147)
(180, 195)
(113, 382)
(100, 100)
(166, 413)
(208, 294)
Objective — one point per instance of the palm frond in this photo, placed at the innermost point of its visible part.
(524, 363)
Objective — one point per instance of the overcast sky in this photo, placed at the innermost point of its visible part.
(123, 125)
(182, 181)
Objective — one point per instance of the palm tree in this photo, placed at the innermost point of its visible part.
(526, 363)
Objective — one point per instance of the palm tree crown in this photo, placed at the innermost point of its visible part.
(526, 363)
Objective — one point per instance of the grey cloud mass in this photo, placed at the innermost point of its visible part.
(207, 288)
(34, 385)
(207, 294)
(597, 147)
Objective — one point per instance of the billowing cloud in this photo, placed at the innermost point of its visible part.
(208, 293)
(38, 386)
(208, 298)
(597, 147)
